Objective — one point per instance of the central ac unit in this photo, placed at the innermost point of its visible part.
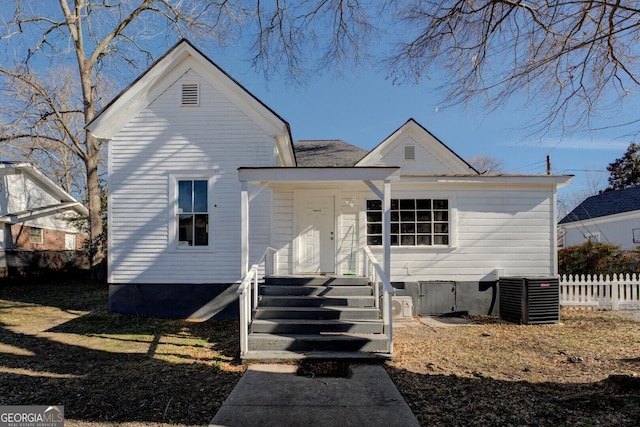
(402, 307)
(529, 300)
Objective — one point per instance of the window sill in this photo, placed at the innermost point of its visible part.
(191, 249)
(419, 248)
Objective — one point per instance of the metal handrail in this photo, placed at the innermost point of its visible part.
(249, 287)
(377, 276)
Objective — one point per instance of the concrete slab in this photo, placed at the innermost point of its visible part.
(446, 321)
(273, 395)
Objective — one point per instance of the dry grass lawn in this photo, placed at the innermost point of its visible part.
(59, 345)
(585, 371)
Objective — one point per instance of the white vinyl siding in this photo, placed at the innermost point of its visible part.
(621, 229)
(510, 229)
(165, 140)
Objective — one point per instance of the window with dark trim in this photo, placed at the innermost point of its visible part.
(414, 222)
(193, 213)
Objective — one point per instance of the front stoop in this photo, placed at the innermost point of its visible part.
(316, 317)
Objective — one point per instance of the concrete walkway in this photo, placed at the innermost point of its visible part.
(273, 395)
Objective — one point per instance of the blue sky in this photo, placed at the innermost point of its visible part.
(363, 108)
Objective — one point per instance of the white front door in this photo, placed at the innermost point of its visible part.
(316, 232)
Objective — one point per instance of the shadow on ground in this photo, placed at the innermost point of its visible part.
(451, 400)
(63, 365)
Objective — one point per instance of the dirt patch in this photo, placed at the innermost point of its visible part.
(322, 368)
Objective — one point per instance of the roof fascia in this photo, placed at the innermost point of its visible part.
(317, 174)
(630, 215)
(558, 180)
(41, 212)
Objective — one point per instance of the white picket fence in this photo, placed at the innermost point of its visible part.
(598, 292)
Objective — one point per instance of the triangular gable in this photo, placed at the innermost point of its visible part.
(432, 157)
(66, 201)
(168, 69)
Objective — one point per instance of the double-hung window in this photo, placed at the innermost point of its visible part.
(414, 222)
(35, 235)
(193, 212)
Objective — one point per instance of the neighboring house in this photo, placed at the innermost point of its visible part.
(611, 217)
(204, 177)
(35, 215)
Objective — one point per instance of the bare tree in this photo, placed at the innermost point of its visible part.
(43, 124)
(594, 183)
(575, 58)
(487, 164)
(46, 115)
(299, 38)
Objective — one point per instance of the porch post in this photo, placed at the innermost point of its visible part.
(244, 228)
(386, 227)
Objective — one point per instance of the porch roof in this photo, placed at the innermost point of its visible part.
(291, 174)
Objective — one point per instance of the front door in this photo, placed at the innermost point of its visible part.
(316, 232)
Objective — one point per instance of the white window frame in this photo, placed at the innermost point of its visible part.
(592, 237)
(41, 238)
(451, 210)
(174, 242)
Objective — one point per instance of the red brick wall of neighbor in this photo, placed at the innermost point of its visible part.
(52, 239)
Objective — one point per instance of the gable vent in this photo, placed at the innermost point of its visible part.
(409, 152)
(190, 94)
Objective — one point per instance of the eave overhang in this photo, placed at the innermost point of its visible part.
(556, 180)
(285, 174)
(35, 213)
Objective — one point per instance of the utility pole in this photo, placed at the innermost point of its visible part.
(548, 164)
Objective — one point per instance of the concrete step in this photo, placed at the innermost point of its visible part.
(306, 326)
(316, 301)
(318, 313)
(310, 290)
(318, 342)
(305, 280)
(284, 356)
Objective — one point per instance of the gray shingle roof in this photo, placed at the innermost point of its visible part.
(611, 203)
(327, 153)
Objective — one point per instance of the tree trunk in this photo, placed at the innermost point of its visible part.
(96, 251)
(91, 161)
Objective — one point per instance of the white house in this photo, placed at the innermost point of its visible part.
(204, 177)
(35, 214)
(611, 217)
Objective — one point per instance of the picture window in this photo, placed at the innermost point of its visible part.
(414, 222)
